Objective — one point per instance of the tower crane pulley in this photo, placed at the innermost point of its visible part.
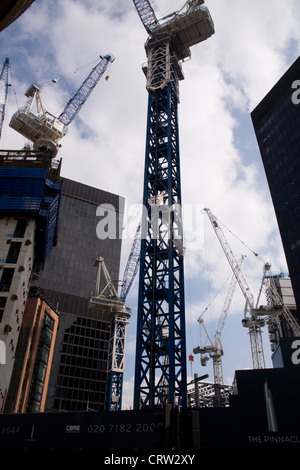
(43, 128)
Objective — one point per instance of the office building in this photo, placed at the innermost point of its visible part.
(29, 204)
(30, 377)
(80, 362)
(276, 122)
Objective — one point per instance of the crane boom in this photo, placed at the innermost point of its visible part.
(226, 306)
(79, 98)
(215, 350)
(3, 91)
(132, 265)
(251, 321)
(146, 14)
(231, 258)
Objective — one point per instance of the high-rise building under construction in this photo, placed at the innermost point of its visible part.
(29, 204)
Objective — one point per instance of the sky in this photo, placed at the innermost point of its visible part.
(228, 75)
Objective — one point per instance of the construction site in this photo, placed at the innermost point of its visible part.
(63, 327)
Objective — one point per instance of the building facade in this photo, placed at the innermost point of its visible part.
(80, 362)
(29, 203)
(30, 377)
(276, 122)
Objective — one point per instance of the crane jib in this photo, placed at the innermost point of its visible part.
(146, 14)
(79, 98)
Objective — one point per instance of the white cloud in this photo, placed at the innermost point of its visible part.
(228, 75)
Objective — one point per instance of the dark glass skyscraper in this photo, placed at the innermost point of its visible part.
(79, 368)
(276, 121)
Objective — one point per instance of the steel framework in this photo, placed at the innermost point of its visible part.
(215, 349)
(251, 319)
(161, 353)
(160, 371)
(132, 265)
(107, 299)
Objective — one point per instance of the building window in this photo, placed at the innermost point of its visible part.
(6, 279)
(2, 306)
(13, 252)
(41, 364)
(20, 228)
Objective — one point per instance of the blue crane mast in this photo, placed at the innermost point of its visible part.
(3, 91)
(43, 128)
(160, 370)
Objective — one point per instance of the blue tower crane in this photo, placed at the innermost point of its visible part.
(160, 370)
(3, 91)
(43, 128)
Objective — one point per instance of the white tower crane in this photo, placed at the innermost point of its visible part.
(215, 349)
(253, 316)
(108, 300)
(43, 128)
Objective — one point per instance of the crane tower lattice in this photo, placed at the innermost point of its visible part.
(108, 300)
(160, 372)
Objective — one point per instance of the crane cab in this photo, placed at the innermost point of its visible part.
(43, 131)
(191, 26)
(42, 128)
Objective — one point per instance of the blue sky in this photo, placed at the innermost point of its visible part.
(255, 42)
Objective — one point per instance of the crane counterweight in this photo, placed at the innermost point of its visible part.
(191, 25)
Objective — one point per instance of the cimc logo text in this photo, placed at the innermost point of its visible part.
(2, 352)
